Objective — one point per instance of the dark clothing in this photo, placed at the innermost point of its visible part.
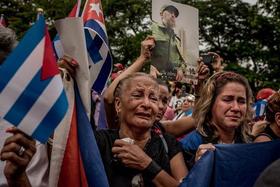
(119, 175)
(268, 132)
(270, 176)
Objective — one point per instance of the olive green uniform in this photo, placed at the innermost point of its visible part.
(166, 55)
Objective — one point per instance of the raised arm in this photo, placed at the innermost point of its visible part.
(108, 95)
(179, 127)
(145, 54)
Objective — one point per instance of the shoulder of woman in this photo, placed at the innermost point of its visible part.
(192, 140)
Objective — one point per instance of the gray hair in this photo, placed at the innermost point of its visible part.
(8, 41)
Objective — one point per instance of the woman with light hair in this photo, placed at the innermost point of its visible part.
(8, 41)
(221, 114)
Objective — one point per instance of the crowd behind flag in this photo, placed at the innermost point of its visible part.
(32, 95)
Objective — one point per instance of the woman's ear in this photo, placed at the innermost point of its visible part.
(118, 105)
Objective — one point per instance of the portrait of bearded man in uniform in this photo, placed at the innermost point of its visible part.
(167, 57)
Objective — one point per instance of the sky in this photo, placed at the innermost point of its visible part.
(250, 1)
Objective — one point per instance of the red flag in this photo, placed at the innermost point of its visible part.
(72, 170)
(93, 10)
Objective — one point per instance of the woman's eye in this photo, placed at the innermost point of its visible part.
(242, 101)
(136, 95)
(154, 98)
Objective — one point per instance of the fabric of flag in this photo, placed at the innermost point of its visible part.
(100, 59)
(75, 157)
(72, 39)
(259, 108)
(90, 155)
(32, 95)
(232, 165)
(58, 49)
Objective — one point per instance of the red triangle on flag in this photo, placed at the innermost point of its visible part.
(50, 67)
(93, 10)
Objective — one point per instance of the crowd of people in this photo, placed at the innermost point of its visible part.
(156, 130)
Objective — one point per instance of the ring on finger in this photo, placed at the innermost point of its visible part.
(21, 151)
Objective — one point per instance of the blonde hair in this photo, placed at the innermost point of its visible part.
(202, 109)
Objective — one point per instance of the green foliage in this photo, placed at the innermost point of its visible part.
(247, 36)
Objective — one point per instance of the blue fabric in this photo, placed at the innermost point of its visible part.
(91, 158)
(201, 174)
(191, 141)
(233, 165)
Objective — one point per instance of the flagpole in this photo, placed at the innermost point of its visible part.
(84, 8)
(39, 12)
(78, 8)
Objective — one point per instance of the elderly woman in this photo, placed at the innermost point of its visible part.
(134, 155)
(272, 131)
(221, 113)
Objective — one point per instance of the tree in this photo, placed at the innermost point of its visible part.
(127, 24)
(247, 38)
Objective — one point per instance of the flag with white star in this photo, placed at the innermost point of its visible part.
(100, 59)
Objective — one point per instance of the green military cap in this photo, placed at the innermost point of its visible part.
(170, 8)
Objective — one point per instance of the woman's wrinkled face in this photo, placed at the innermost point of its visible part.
(230, 107)
(164, 97)
(138, 103)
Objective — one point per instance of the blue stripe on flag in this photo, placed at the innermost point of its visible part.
(102, 77)
(27, 98)
(30, 40)
(52, 119)
(91, 158)
(93, 46)
(93, 25)
(54, 42)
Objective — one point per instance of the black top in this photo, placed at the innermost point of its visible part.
(268, 132)
(121, 176)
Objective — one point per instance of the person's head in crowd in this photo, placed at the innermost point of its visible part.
(8, 41)
(224, 106)
(136, 101)
(188, 102)
(264, 93)
(273, 109)
(177, 90)
(271, 127)
(168, 14)
(164, 98)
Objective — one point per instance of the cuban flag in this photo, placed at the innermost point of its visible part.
(100, 60)
(259, 108)
(32, 96)
(58, 49)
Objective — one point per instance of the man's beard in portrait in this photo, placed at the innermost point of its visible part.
(168, 23)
